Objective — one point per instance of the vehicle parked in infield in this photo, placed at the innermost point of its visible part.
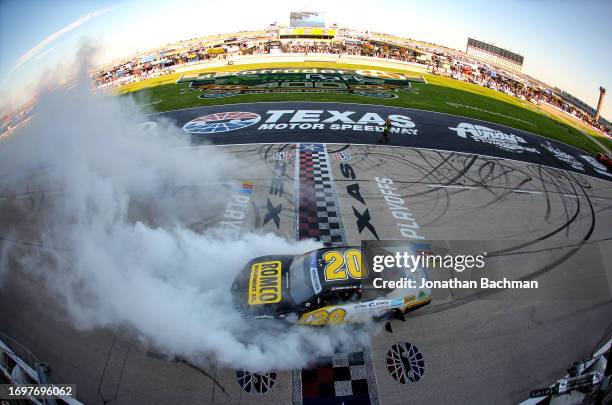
(324, 287)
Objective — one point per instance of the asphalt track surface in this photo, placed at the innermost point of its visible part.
(479, 347)
(361, 124)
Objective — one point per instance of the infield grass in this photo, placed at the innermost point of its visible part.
(440, 94)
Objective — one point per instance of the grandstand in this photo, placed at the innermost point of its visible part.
(495, 55)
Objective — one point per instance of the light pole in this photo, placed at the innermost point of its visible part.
(602, 94)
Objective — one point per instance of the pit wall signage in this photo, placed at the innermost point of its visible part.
(367, 83)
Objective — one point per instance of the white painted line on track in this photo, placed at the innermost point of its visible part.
(450, 186)
(526, 192)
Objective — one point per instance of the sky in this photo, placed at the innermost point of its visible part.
(565, 43)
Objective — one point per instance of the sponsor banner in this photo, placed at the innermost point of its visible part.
(314, 274)
(319, 120)
(332, 120)
(265, 283)
(299, 122)
(367, 83)
(598, 167)
(221, 122)
(563, 156)
(505, 141)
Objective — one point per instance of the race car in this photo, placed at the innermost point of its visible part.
(325, 287)
(604, 160)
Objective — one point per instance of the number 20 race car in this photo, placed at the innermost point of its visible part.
(324, 287)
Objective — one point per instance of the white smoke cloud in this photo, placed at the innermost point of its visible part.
(128, 254)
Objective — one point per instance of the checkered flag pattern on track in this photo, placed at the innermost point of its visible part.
(341, 379)
(319, 216)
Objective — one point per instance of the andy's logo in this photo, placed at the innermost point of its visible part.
(479, 133)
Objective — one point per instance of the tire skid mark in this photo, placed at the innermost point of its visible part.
(548, 207)
(512, 251)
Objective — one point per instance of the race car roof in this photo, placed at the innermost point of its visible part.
(340, 283)
(350, 282)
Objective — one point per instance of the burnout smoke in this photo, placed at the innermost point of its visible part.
(127, 209)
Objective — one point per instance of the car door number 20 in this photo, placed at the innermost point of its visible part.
(342, 265)
(324, 316)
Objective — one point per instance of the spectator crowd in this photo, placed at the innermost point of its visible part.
(441, 63)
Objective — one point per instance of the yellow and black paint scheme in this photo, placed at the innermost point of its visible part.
(261, 290)
(360, 312)
(265, 283)
(327, 286)
(330, 315)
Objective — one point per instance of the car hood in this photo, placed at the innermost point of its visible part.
(260, 289)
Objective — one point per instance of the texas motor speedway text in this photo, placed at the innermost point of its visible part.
(337, 120)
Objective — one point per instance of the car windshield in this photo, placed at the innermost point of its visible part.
(301, 284)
